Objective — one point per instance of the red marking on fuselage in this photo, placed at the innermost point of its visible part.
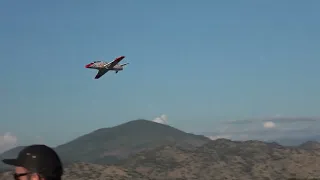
(88, 65)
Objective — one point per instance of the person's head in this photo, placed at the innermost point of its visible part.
(36, 162)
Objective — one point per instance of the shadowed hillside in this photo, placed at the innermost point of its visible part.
(310, 145)
(108, 145)
(216, 160)
(144, 150)
(12, 153)
(222, 159)
(296, 141)
(87, 171)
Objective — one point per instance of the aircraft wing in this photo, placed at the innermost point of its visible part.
(100, 73)
(114, 62)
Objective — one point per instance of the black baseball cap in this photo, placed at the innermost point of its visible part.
(39, 159)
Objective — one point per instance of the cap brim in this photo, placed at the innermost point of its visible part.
(12, 162)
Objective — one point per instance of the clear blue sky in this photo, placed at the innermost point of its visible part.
(198, 62)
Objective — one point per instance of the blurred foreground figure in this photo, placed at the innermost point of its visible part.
(36, 162)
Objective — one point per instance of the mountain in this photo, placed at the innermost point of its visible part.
(226, 159)
(88, 171)
(216, 160)
(310, 145)
(12, 153)
(109, 145)
(297, 140)
(142, 150)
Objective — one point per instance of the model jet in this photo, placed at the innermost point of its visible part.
(104, 67)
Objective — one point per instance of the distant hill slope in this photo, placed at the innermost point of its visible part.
(225, 159)
(88, 171)
(108, 145)
(216, 160)
(297, 140)
(310, 145)
(12, 153)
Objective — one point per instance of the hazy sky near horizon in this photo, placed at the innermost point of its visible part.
(198, 62)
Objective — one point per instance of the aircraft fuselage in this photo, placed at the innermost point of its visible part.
(102, 65)
(115, 68)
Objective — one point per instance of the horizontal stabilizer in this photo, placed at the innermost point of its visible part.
(124, 64)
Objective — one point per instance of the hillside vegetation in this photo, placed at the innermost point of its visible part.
(147, 150)
(109, 145)
(223, 158)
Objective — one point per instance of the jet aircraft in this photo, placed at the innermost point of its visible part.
(104, 67)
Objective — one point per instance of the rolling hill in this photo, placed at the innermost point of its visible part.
(109, 145)
(12, 153)
(143, 149)
(226, 159)
(298, 140)
(216, 160)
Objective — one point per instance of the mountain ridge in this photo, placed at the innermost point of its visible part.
(142, 149)
(111, 144)
(215, 160)
(223, 158)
